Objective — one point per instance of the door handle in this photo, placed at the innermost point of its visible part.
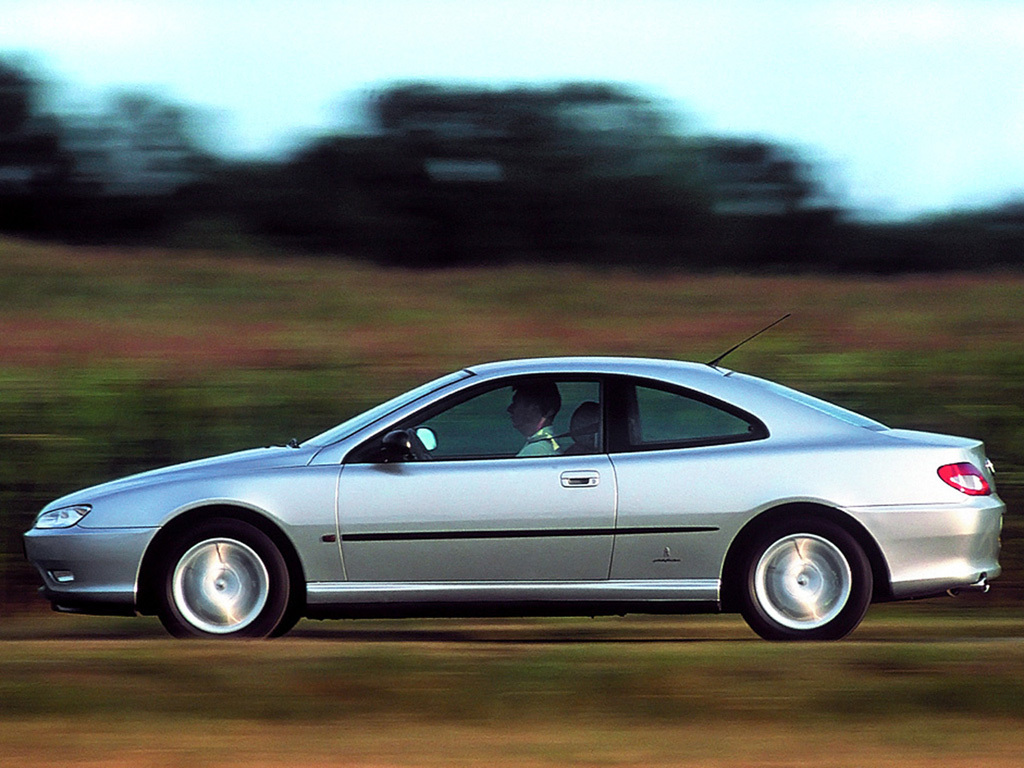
(580, 479)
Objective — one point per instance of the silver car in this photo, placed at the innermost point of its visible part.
(552, 486)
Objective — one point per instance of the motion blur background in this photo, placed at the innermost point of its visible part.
(232, 223)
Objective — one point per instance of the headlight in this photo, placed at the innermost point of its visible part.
(65, 517)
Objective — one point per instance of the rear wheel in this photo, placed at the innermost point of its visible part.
(223, 578)
(806, 580)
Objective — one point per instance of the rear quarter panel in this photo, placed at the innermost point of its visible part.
(716, 491)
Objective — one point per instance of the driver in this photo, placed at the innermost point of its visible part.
(534, 407)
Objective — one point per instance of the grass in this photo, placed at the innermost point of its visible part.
(908, 688)
(65, 305)
(940, 350)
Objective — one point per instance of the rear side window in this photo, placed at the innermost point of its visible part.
(666, 418)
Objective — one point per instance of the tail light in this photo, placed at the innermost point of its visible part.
(966, 478)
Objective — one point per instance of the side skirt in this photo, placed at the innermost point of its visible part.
(511, 598)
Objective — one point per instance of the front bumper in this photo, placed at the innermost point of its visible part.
(89, 570)
(933, 548)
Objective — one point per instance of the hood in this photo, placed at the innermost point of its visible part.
(252, 460)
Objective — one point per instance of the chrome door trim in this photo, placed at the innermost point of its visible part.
(625, 590)
(554, 533)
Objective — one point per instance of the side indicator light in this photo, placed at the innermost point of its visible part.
(966, 478)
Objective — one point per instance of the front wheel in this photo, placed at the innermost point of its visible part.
(224, 578)
(806, 580)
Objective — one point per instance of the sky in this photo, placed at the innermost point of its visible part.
(909, 106)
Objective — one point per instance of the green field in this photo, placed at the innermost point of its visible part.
(113, 361)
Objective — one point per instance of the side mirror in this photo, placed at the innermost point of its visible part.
(396, 446)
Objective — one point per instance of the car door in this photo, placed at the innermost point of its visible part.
(687, 469)
(473, 509)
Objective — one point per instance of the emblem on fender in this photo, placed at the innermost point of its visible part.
(666, 557)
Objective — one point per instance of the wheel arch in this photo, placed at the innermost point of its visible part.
(148, 579)
(744, 540)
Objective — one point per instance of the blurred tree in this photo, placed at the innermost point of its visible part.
(582, 171)
(755, 177)
(35, 171)
(150, 146)
(16, 95)
(445, 175)
(771, 208)
(134, 160)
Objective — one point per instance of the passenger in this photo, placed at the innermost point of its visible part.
(533, 409)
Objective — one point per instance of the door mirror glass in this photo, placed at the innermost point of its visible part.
(427, 438)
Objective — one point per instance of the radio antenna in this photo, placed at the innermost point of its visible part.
(714, 363)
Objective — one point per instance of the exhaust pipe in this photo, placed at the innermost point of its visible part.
(981, 585)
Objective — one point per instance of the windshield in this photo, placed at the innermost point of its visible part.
(366, 418)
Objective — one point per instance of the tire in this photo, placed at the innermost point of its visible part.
(805, 580)
(224, 579)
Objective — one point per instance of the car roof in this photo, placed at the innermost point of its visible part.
(636, 366)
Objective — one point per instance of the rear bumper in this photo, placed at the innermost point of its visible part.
(933, 548)
(88, 570)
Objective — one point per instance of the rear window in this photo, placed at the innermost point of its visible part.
(835, 411)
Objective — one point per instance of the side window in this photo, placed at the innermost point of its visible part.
(661, 418)
(530, 417)
(527, 417)
(478, 428)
